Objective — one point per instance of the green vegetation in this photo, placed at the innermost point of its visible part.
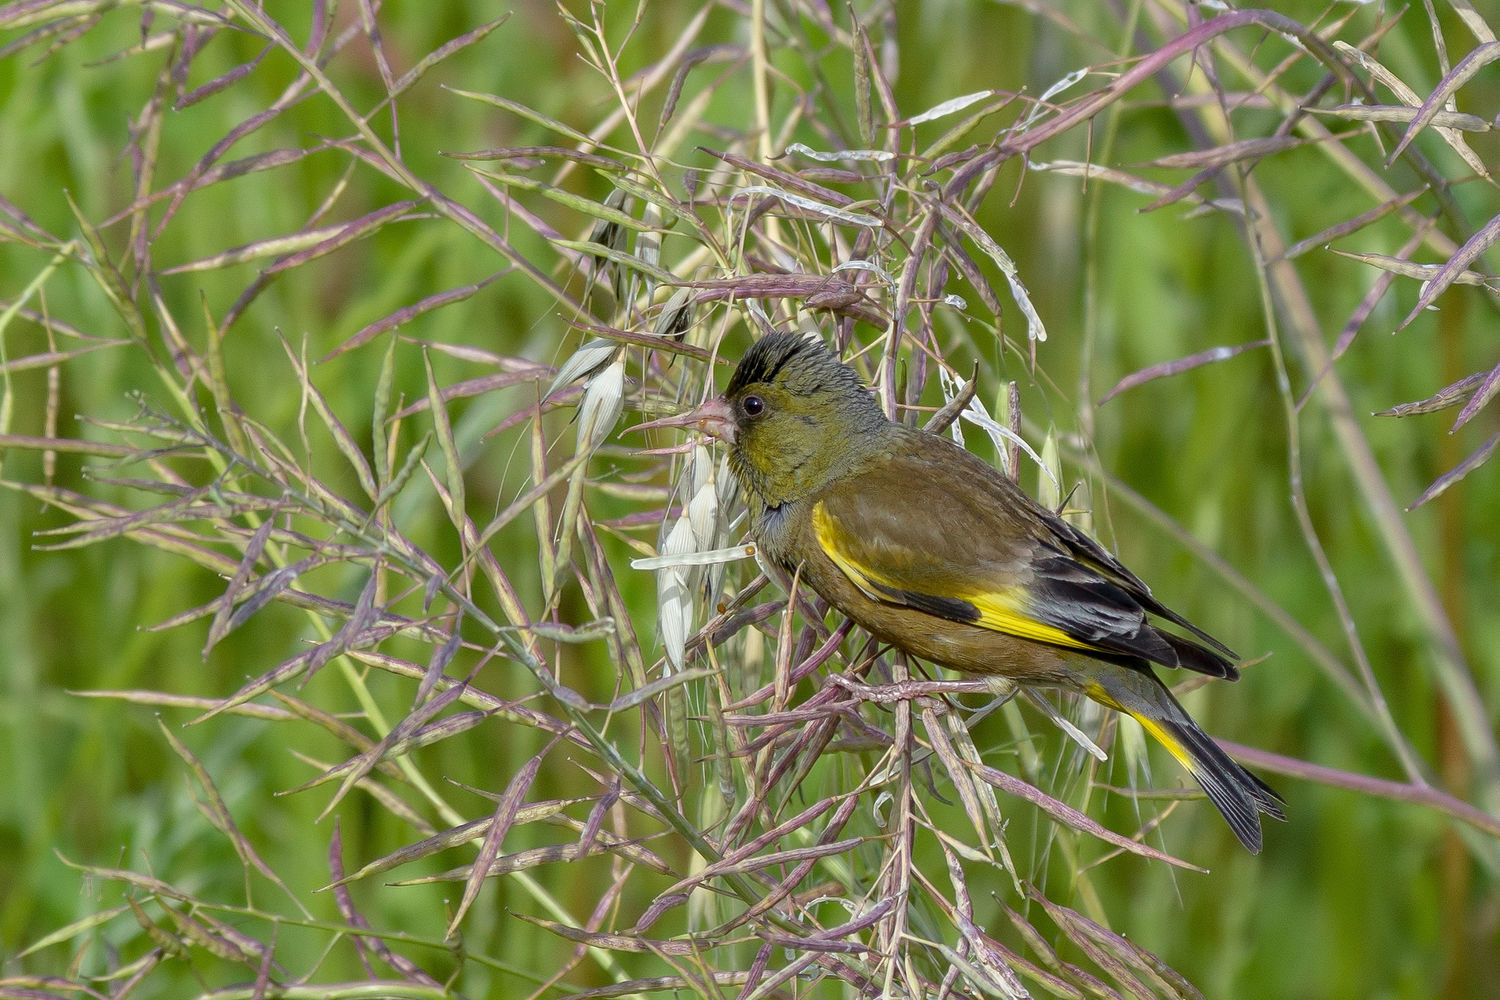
(328, 672)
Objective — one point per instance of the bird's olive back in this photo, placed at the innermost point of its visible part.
(801, 418)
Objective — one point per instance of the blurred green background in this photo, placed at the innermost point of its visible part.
(1356, 896)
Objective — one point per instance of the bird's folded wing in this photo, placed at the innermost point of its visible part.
(985, 558)
(886, 570)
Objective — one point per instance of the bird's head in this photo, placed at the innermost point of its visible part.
(793, 415)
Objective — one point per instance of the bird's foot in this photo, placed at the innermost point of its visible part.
(884, 694)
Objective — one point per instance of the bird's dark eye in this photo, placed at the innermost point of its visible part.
(754, 406)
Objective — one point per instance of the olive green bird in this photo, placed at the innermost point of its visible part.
(930, 549)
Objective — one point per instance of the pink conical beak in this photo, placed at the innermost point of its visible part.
(715, 417)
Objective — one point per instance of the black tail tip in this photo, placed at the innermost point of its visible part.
(1240, 796)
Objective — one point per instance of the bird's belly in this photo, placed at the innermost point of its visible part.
(976, 650)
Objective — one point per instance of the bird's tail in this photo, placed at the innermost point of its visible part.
(1238, 794)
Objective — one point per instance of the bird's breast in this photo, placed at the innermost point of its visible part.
(775, 530)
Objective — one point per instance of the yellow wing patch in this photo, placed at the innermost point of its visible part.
(1004, 612)
(1000, 611)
